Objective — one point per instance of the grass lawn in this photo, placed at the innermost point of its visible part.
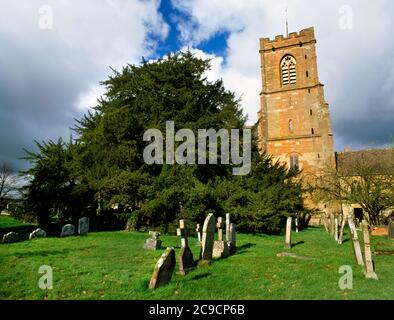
(113, 265)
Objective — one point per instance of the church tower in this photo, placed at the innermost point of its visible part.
(294, 119)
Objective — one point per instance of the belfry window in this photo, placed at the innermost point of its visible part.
(291, 126)
(288, 69)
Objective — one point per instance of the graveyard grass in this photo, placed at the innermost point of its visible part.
(113, 265)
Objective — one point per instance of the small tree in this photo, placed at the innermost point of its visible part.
(8, 183)
(360, 179)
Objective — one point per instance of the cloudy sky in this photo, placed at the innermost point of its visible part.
(54, 53)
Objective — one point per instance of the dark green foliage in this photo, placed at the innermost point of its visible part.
(105, 166)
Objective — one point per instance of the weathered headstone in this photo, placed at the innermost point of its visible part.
(232, 245)
(343, 223)
(164, 269)
(208, 236)
(198, 230)
(288, 233)
(38, 233)
(355, 243)
(186, 262)
(83, 225)
(153, 243)
(220, 248)
(391, 230)
(11, 237)
(228, 223)
(368, 271)
(336, 229)
(332, 224)
(67, 230)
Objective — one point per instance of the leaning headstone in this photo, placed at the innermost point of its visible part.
(391, 230)
(83, 225)
(164, 269)
(355, 243)
(220, 247)
(198, 230)
(11, 237)
(185, 260)
(288, 233)
(153, 243)
(208, 236)
(67, 230)
(38, 233)
(232, 246)
(368, 271)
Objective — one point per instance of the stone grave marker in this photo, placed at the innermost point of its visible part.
(185, 260)
(336, 229)
(198, 230)
(67, 230)
(164, 269)
(153, 243)
(288, 233)
(208, 237)
(391, 230)
(220, 248)
(38, 233)
(11, 237)
(355, 243)
(296, 225)
(228, 223)
(232, 245)
(368, 270)
(83, 225)
(342, 224)
(332, 224)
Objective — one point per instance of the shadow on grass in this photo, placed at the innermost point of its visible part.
(244, 248)
(200, 276)
(45, 253)
(298, 243)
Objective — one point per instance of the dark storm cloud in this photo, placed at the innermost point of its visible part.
(48, 76)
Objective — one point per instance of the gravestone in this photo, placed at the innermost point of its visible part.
(208, 236)
(198, 230)
(288, 233)
(368, 271)
(343, 223)
(220, 247)
(164, 269)
(153, 243)
(185, 260)
(11, 237)
(391, 230)
(332, 224)
(336, 229)
(355, 243)
(83, 225)
(228, 223)
(38, 233)
(67, 230)
(296, 225)
(232, 246)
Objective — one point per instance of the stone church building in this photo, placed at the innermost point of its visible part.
(294, 124)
